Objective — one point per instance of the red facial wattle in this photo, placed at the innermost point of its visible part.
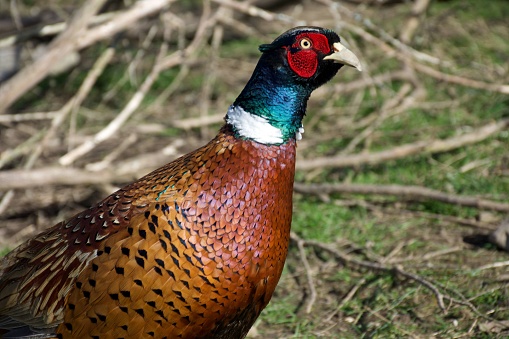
(304, 61)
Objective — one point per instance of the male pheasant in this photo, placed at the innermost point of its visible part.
(194, 249)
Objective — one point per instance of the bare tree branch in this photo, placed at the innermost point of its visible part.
(419, 147)
(76, 37)
(406, 192)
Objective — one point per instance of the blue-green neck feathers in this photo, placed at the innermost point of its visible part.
(275, 95)
(275, 98)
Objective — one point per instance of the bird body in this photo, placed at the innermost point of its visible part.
(192, 250)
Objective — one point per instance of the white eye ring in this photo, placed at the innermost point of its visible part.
(305, 43)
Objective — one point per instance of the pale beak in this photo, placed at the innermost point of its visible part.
(343, 55)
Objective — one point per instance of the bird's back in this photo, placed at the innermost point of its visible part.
(194, 248)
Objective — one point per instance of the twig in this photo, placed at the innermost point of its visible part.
(307, 268)
(15, 179)
(381, 116)
(120, 119)
(419, 147)
(211, 71)
(22, 149)
(426, 69)
(419, 214)
(385, 37)
(74, 102)
(381, 317)
(27, 116)
(162, 63)
(108, 159)
(122, 172)
(407, 192)
(426, 256)
(408, 30)
(67, 43)
(349, 296)
(376, 80)
(493, 265)
(348, 260)
(133, 65)
(62, 45)
(49, 30)
(6, 199)
(199, 121)
(456, 79)
(246, 8)
(409, 54)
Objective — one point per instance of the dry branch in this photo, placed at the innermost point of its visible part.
(49, 30)
(405, 53)
(74, 103)
(419, 147)
(16, 179)
(409, 60)
(407, 32)
(27, 116)
(385, 37)
(405, 192)
(417, 214)
(62, 45)
(348, 260)
(455, 79)
(162, 63)
(75, 38)
(248, 9)
(309, 276)
(119, 120)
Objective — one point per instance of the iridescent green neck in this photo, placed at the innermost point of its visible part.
(276, 96)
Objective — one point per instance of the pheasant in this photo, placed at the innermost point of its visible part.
(194, 249)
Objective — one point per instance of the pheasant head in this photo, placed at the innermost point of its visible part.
(270, 108)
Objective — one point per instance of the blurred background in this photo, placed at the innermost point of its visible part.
(402, 188)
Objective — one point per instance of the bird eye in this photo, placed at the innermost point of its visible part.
(305, 44)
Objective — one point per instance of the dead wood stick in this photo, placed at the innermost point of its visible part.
(16, 179)
(413, 22)
(309, 276)
(404, 52)
(430, 71)
(459, 80)
(49, 29)
(72, 104)
(394, 269)
(248, 9)
(28, 116)
(162, 63)
(427, 215)
(66, 43)
(407, 192)
(124, 171)
(375, 80)
(419, 147)
(62, 45)
(383, 35)
(119, 120)
(75, 102)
